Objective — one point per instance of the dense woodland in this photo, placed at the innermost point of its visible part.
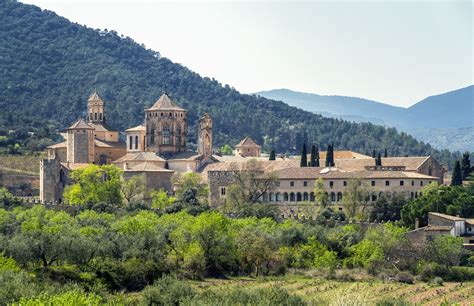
(49, 66)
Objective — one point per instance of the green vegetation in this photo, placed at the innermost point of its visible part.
(226, 150)
(304, 157)
(51, 66)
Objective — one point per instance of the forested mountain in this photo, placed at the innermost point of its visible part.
(445, 120)
(49, 66)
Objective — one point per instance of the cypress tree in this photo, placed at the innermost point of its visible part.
(385, 153)
(272, 155)
(312, 160)
(317, 158)
(328, 156)
(304, 158)
(374, 155)
(465, 165)
(378, 161)
(332, 155)
(456, 179)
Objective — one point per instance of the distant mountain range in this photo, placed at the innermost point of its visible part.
(446, 121)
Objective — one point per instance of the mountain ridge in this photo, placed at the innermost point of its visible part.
(50, 65)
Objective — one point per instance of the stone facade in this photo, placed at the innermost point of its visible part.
(166, 127)
(247, 148)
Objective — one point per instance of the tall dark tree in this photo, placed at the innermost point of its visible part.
(330, 156)
(385, 153)
(465, 165)
(272, 155)
(304, 157)
(456, 179)
(374, 154)
(378, 161)
(314, 156)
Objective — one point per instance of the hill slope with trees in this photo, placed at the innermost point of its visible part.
(49, 66)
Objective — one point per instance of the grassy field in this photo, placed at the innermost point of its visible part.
(362, 292)
(20, 164)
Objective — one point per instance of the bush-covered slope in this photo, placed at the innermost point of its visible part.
(49, 66)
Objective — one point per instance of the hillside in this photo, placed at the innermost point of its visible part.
(49, 66)
(445, 121)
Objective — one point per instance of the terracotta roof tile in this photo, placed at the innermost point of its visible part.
(165, 103)
(80, 125)
(247, 142)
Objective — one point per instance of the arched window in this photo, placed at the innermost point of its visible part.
(166, 134)
(312, 198)
(292, 197)
(339, 196)
(298, 197)
(100, 116)
(333, 197)
(271, 197)
(178, 135)
(305, 196)
(95, 116)
(136, 142)
(130, 142)
(278, 197)
(91, 116)
(285, 197)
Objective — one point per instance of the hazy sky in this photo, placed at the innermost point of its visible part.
(394, 52)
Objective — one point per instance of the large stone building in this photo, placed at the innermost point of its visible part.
(295, 185)
(155, 150)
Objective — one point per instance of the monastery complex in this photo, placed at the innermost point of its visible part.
(157, 149)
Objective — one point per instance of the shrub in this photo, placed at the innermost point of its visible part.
(438, 281)
(14, 285)
(404, 277)
(167, 291)
(261, 296)
(392, 302)
(73, 297)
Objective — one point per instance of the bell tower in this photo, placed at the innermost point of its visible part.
(205, 136)
(95, 109)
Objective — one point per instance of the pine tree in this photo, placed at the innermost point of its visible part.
(385, 153)
(304, 158)
(312, 160)
(456, 179)
(465, 165)
(272, 155)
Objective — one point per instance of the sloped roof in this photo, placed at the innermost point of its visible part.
(359, 164)
(74, 166)
(438, 228)
(137, 128)
(95, 97)
(139, 156)
(146, 166)
(80, 125)
(165, 103)
(58, 145)
(97, 143)
(447, 217)
(247, 142)
(101, 127)
(341, 154)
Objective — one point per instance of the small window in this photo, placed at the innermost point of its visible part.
(223, 191)
(413, 183)
(372, 183)
(331, 184)
(161, 114)
(387, 183)
(421, 183)
(305, 184)
(344, 183)
(292, 184)
(402, 183)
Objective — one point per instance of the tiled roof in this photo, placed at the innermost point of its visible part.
(165, 103)
(139, 156)
(101, 127)
(97, 142)
(80, 125)
(410, 163)
(137, 128)
(342, 154)
(441, 228)
(447, 217)
(74, 166)
(247, 142)
(58, 145)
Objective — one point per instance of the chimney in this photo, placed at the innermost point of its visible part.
(417, 223)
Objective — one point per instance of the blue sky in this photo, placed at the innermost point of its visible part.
(393, 52)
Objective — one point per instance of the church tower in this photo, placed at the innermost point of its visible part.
(95, 109)
(205, 136)
(80, 143)
(166, 126)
